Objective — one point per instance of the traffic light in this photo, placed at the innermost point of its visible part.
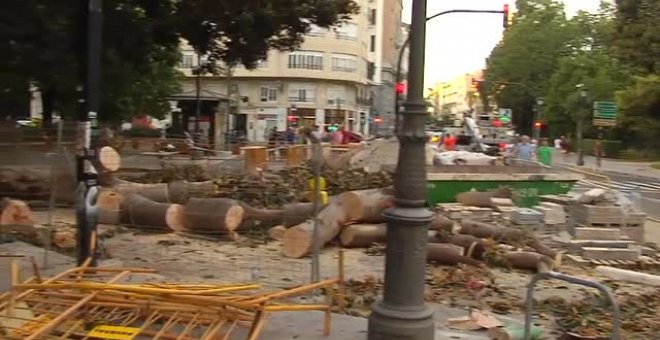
(505, 16)
(400, 88)
(377, 120)
(475, 84)
(538, 125)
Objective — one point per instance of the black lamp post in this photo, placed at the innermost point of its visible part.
(403, 314)
(87, 189)
(579, 124)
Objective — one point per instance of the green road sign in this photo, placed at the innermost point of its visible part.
(605, 110)
(505, 115)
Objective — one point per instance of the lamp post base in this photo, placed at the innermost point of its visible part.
(387, 323)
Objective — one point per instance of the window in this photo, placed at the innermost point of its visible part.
(372, 16)
(371, 70)
(344, 63)
(315, 31)
(306, 60)
(302, 93)
(347, 31)
(268, 94)
(186, 61)
(336, 96)
(372, 44)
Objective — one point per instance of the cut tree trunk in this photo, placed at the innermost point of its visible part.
(296, 213)
(157, 192)
(441, 223)
(277, 232)
(474, 247)
(529, 261)
(482, 198)
(362, 235)
(217, 215)
(15, 212)
(180, 192)
(480, 229)
(260, 218)
(299, 242)
(448, 254)
(109, 159)
(142, 212)
(108, 204)
(367, 206)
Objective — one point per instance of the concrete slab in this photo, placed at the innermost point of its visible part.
(595, 253)
(597, 233)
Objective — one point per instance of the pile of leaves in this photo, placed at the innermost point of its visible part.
(468, 285)
(360, 295)
(173, 173)
(271, 193)
(337, 181)
(592, 316)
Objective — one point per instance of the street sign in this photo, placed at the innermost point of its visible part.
(604, 122)
(605, 110)
(505, 115)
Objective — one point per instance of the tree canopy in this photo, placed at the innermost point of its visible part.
(613, 53)
(140, 45)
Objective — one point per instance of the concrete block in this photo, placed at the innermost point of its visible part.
(579, 244)
(597, 233)
(634, 232)
(598, 253)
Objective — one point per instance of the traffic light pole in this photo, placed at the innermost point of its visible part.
(407, 43)
(87, 129)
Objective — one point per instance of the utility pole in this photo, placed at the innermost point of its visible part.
(87, 129)
(403, 314)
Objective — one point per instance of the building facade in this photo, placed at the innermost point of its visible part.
(457, 96)
(323, 83)
(386, 36)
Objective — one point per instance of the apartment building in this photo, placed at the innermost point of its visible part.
(456, 96)
(386, 36)
(323, 83)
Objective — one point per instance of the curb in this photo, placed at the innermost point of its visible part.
(610, 172)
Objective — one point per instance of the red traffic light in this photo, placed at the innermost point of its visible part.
(538, 125)
(377, 120)
(505, 16)
(400, 88)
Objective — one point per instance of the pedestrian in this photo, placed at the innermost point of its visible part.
(524, 150)
(449, 142)
(544, 153)
(598, 150)
(557, 142)
(317, 133)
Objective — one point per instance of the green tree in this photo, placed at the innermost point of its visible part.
(639, 106)
(637, 34)
(528, 53)
(589, 62)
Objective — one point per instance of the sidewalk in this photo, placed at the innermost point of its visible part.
(610, 166)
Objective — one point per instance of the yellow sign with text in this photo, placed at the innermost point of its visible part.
(114, 332)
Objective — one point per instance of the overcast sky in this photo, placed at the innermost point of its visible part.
(460, 43)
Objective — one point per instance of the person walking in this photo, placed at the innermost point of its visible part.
(449, 142)
(524, 150)
(598, 150)
(544, 153)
